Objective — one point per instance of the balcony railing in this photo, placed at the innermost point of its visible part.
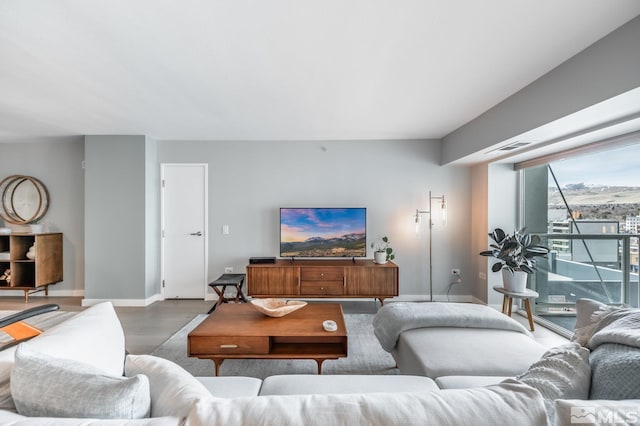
(602, 267)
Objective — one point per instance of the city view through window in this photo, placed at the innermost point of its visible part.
(593, 222)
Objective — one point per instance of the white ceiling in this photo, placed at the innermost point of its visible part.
(278, 69)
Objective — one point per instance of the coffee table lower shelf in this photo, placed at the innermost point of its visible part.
(319, 360)
(238, 331)
(319, 352)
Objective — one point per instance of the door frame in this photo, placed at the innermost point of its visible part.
(205, 168)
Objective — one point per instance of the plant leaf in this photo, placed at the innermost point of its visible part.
(499, 234)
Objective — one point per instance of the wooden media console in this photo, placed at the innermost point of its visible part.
(323, 279)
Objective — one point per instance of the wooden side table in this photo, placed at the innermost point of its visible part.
(507, 301)
(220, 286)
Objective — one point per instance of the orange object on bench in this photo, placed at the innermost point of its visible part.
(19, 330)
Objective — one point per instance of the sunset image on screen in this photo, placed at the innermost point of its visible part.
(319, 232)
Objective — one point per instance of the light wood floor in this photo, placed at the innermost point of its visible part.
(146, 328)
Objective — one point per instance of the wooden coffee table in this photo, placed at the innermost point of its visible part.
(239, 331)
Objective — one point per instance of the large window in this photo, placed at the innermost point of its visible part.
(587, 207)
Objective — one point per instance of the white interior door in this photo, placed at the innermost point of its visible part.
(184, 230)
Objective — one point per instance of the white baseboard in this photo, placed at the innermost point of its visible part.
(463, 298)
(460, 298)
(52, 293)
(124, 302)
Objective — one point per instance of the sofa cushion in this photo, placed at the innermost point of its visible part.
(93, 336)
(446, 351)
(46, 386)
(301, 384)
(173, 389)
(511, 402)
(615, 372)
(464, 382)
(231, 386)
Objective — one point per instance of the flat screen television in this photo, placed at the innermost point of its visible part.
(323, 232)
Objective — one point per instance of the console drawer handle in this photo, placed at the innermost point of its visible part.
(228, 346)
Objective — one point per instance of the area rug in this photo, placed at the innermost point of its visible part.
(41, 322)
(365, 355)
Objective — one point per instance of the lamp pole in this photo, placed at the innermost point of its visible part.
(417, 219)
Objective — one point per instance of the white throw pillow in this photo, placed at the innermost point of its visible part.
(173, 389)
(6, 364)
(45, 386)
(93, 336)
(562, 372)
(589, 313)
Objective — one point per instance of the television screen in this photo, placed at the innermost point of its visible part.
(323, 232)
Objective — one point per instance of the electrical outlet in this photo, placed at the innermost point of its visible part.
(482, 275)
(228, 269)
(456, 278)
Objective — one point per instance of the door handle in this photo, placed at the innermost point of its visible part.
(197, 234)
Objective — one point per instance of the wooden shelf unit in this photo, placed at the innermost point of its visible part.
(323, 278)
(31, 275)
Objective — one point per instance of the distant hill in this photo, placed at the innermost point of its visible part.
(579, 194)
(598, 202)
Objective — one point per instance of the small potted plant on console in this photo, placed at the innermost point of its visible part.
(382, 252)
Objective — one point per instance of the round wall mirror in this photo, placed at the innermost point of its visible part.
(25, 199)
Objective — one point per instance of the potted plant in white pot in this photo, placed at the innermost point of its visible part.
(382, 252)
(515, 254)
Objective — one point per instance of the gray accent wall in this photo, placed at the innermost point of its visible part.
(120, 263)
(58, 164)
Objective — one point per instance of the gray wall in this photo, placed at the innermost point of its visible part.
(115, 254)
(58, 164)
(606, 69)
(115, 219)
(249, 181)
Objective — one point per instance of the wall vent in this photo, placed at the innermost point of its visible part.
(511, 146)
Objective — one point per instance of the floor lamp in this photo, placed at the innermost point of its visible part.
(418, 220)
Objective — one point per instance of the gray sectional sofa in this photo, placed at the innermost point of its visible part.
(594, 379)
(459, 345)
(78, 373)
